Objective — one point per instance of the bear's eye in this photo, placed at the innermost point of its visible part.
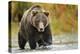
(44, 21)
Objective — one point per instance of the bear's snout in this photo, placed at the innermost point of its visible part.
(41, 30)
(41, 27)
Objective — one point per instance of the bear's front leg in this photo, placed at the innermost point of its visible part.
(32, 42)
(47, 39)
(47, 36)
(21, 41)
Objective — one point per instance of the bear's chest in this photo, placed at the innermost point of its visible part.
(38, 36)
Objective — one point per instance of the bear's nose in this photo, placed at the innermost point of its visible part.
(41, 29)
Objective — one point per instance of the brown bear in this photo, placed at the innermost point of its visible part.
(34, 28)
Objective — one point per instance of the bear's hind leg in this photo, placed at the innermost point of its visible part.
(21, 42)
(40, 42)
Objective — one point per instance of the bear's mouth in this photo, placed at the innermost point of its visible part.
(41, 30)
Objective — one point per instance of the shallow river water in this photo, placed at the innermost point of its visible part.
(61, 42)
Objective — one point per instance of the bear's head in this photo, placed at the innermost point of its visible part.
(40, 20)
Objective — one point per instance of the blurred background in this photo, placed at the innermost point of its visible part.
(63, 21)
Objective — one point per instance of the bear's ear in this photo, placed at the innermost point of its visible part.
(34, 13)
(46, 13)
